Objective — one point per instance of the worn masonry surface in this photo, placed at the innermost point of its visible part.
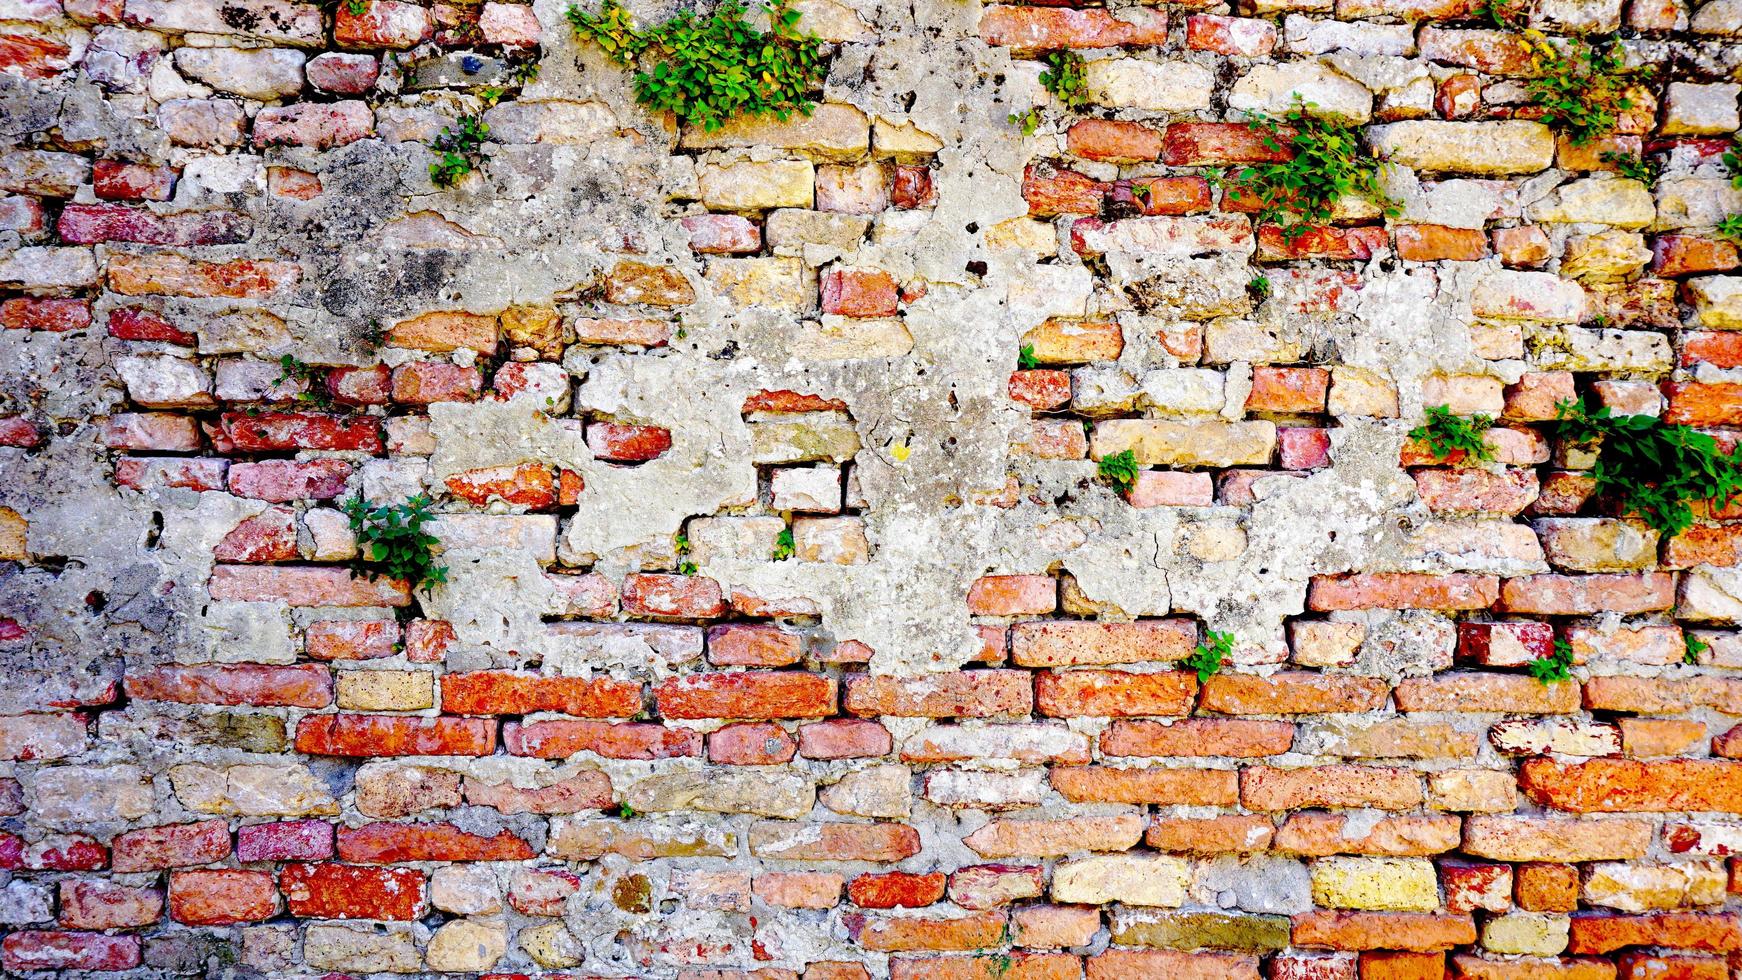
(789, 629)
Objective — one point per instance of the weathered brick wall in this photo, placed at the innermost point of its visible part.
(948, 736)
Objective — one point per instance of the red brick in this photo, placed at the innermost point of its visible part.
(1049, 29)
(284, 480)
(587, 789)
(107, 905)
(799, 889)
(542, 892)
(559, 739)
(400, 843)
(170, 846)
(55, 315)
(291, 431)
(1476, 885)
(859, 292)
(221, 897)
(896, 889)
(752, 694)
(1234, 834)
(132, 323)
(35, 949)
(1432, 243)
(1051, 190)
(1198, 737)
(1417, 931)
(785, 401)
(382, 24)
(905, 933)
(1041, 390)
(1164, 195)
(428, 382)
(1471, 491)
(1635, 965)
(1113, 693)
(672, 596)
(1113, 140)
(627, 443)
(722, 234)
(1143, 964)
(1196, 144)
(1268, 789)
(1234, 36)
(1319, 243)
(753, 645)
(751, 744)
(161, 274)
(302, 686)
(1292, 693)
(286, 840)
(66, 852)
(1013, 595)
(1685, 255)
(1719, 348)
(1581, 595)
(151, 473)
(1402, 590)
(1301, 448)
(1546, 887)
(1168, 787)
(1626, 785)
(29, 56)
(1508, 693)
(1696, 403)
(1288, 390)
(88, 224)
(844, 738)
(113, 180)
(985, 886)
(20, 432)
(267, 536)
(492, 692)
(351, 639)
(833, 841)
(1711, 933)
(387, 735)
(1061, 643)
(343, 891)
(960, 694)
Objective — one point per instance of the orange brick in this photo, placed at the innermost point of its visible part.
(1113, 693)
(906, 933)
(1546, 887)
(1628, 785)
(1288, 390)
(1707, 932)
(1411, 931)
(1013, 595)
(1510, 693)
(1144, 964)
(1266, 788)
(1403, 966)
(1065, 643)
(1210, 835)
(1402, 590)
(957, 694)
(1292, 692)
(1198, 737)
(1167, 787)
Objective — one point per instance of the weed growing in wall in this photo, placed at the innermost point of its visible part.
(1692, 647)
(391, 541)
(1064, 79)
(1119, 469)
(1634, 167)
(1447, 434)
(1557, 666)
(1025, 358)
(1655, 469)
(1328, 163)
(1583, 89)
(1207, 658)
(459, 150)
(706, 70)
(1731, 227)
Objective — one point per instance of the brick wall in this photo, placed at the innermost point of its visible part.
(948, 735)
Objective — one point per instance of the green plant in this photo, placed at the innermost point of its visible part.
(1642, 168)
(783, 545)
(681, 546)
(1064, 79)
(1025, 358)
(1731, 227)
(1259, 287)
(1327, 163)
(622, 811)
(1733, 160)
(1119, 469)
(1582, 90)
(1447, 434)
(1692, 647)
(356, 8)
(1655, 468)
(314, 380)
(1554, 667)
(1028, 120)
(459, 150)
(1207, 658)
(708, 70)
(391, 541)
(1506, 15)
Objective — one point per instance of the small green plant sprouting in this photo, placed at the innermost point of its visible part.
(391, 541)
(459, 150)
(1025, 358)
(1692, 647)
(681, 546)
(1207, 658)
(1064, 79)
(622, 811)
(356, 8)
(1505, 15)
(1557, 666)
(1730, 227)
(1446, 434)
(524, 72)
(1327, 163)
(1642, 168)
(314, 380)
(1733, 160)
(706, 70)
(1259, 287)
(1028, 120)
(1655, 469)
(783, 544)
(1582, 91)
(1119, 469)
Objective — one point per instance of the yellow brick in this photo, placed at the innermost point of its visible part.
(1394, 884)
(386, 690)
